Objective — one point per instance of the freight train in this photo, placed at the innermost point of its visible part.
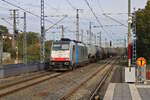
(69, 54)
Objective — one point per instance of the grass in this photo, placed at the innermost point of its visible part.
(123, 62)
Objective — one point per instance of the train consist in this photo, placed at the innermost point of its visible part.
(69, 54)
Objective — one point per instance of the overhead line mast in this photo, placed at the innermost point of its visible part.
(134, 39)
(15, 31)
(129, 33)
(77, 25)
(42, 38)
(25, 41)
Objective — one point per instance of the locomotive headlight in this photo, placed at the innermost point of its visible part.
(66, 63)
(67, 59)
(53, 63)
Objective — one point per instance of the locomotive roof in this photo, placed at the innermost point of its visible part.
(60, 41)
(66, 40)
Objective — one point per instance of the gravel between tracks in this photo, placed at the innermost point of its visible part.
(84, 92)
(55, 88)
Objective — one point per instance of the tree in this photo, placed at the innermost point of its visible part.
(7, 42)
(33, 46)
(3, 29)
(143, 31)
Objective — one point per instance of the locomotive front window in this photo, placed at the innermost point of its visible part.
(65, 46)
(60, 46)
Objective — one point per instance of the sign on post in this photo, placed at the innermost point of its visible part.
(141, 62)
(141, 71)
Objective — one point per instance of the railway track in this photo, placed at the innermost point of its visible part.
(32, 80)
(10, 88)
(74, 90)
(27, 81)
(94, 95)
(6, 82)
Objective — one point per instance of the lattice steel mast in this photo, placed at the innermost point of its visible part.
(134, 40)
(25, 42)
(42, 38)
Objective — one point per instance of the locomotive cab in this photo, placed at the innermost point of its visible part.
(60, 54)
(68, 54)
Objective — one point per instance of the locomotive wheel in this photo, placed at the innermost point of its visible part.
(71, 67)
(74, 66)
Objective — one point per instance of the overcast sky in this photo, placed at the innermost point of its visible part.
(56, 9)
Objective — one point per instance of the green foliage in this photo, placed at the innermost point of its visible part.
(47, 49)
(33, 46)
(33, 53)
(143, 31)
(7, 44)
(3, 29)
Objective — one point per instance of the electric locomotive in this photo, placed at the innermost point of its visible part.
(66, 53)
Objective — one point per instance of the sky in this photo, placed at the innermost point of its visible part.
(56, 9)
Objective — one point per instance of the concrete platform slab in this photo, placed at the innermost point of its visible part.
(122, 92)
(109, 92)
(125, 91)
(144, 93)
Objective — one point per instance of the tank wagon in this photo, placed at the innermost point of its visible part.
(92, 52)
(100, 54)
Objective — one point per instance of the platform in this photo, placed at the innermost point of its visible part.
(125, 91)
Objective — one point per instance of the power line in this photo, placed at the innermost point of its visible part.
(110, 14)
(55, 23)
(51, 7)
(4, 8)
(107, 26)
(32, 5)
(100, 6)
(24, 10)
(116, 13)
(96, 17)
(3, 19)
(121, 24)
(93, 13)
(35, 14)
(116, 20)
(70, 4)
(6, 21)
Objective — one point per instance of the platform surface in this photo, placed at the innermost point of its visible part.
(125, 91)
